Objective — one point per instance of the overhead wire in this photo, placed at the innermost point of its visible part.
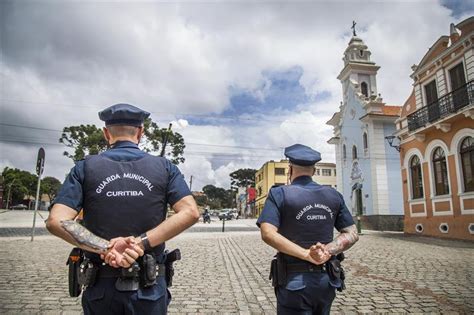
(186, 143)
(211, 117)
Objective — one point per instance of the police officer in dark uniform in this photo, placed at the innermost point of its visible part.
(124, 193)
(298, 221)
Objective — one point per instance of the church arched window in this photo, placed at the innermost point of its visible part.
(363, 89)
(354, 152)
(365, 140)
(344, 152)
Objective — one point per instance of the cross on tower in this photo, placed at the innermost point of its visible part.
(354, 28)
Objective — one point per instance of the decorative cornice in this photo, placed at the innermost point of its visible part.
(363, 68)
(444, 127)
(421, 68)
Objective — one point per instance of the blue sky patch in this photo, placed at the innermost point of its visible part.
(279, 91)
(459, 7)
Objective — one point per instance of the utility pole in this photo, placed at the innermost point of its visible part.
(9, 191)
(191, 183)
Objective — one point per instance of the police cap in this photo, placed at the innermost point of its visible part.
(302, 155)
(123, 114)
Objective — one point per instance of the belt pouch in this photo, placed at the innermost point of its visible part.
(129, 279)
(87, 273)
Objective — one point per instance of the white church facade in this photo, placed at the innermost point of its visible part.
(368, 167)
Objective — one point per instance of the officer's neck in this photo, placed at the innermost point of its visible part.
(115, 140)
(299, 176)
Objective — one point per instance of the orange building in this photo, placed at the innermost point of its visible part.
(437, 139)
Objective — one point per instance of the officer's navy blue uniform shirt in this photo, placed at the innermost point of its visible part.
(317, 196)
(71, 193)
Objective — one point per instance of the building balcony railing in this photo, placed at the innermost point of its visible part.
(442, 107)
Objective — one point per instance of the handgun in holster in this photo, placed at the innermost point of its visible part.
(336, 272)
(74, 260)
(171, 257)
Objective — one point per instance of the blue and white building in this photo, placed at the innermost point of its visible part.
(367, 167)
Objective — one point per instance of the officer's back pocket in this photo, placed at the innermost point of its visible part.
(295, 282)
(94, 293)
(152, 293)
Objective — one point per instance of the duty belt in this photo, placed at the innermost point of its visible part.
(304, 267)
(106, 271)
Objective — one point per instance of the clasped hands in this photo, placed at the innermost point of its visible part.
(318, 254)
(122, 252)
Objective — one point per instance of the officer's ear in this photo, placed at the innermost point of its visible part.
(106, 133)
(140, 133)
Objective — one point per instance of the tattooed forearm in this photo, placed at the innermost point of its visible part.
(343, 241)
(84, 237)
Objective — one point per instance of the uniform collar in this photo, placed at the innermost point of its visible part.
(124, 144)
(302, 180)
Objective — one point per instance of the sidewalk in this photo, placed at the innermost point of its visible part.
(15, 223)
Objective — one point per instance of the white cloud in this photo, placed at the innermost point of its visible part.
(182, 58)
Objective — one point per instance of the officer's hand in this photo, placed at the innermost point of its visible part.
(122, 252)
(319, 253)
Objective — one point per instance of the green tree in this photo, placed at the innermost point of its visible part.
(242, 178)
(219, 197)
(19, 184)
(154, 138)
(88, 139)
(50, 186)
(84, 139)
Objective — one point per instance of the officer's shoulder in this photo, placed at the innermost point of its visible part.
(276, 186)
(276, 189)
(329, 189)
(162, 161)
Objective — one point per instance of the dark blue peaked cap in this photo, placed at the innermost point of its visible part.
(123, 114)
(302, 155)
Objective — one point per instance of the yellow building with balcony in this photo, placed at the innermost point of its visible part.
(270, 174)
(325, 174)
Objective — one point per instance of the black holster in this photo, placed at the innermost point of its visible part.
(171, 257)
(278, 272)
(76, 256)
(336, 272)
(148, 274)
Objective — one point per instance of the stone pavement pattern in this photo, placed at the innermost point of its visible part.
(228, 273)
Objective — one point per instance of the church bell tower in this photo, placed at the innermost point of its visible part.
(359, 69)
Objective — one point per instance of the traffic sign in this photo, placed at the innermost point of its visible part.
(40, 162)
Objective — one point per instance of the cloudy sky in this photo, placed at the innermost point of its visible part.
(240, 79)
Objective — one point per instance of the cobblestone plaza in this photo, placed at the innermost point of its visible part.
(227, 273)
